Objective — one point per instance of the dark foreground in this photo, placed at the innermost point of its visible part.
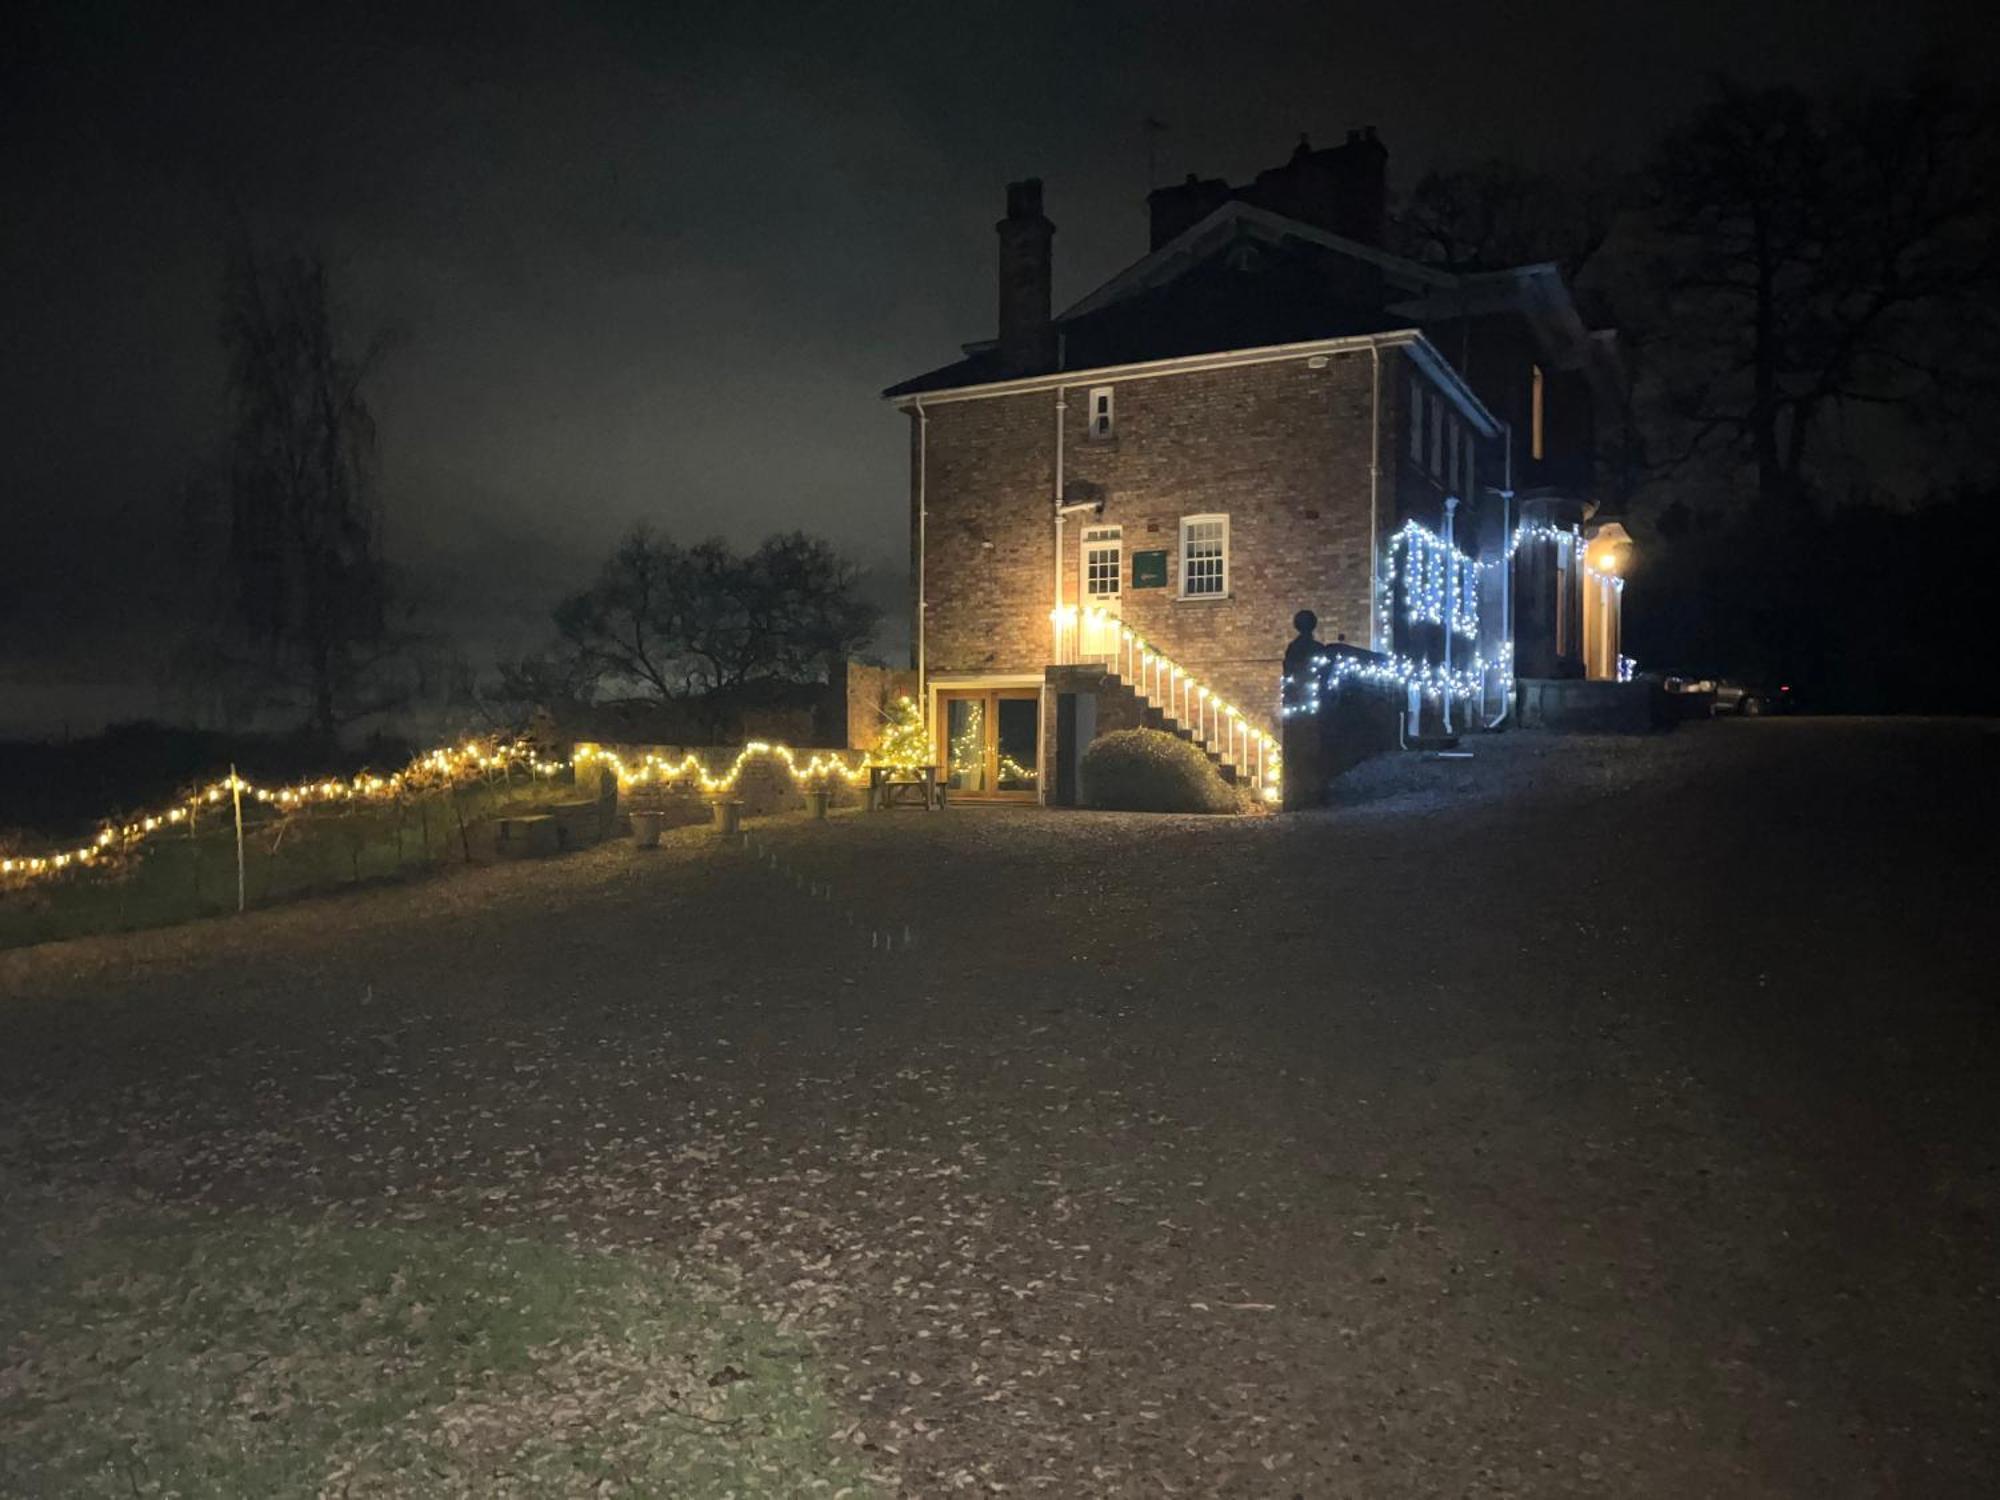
(1616, 1119)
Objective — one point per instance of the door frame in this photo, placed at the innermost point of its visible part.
(970, 684)
(1113, 602)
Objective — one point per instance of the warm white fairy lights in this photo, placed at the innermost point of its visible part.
(441, 767)
(655, 769)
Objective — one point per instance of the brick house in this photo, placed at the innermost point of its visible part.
(1116, 511)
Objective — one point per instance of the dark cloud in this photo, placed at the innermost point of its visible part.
(658, 260)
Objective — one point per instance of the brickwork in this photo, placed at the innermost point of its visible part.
(764, 786)
(1282, 449)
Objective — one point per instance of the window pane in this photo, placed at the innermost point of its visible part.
(1017, 721)
(1203, 548)
(965, 732)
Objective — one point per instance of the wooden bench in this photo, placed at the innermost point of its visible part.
(904, 786)
(532, 837)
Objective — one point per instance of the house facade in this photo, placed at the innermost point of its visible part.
(1263, 414)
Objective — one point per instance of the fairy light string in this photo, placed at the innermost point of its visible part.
(446, 766)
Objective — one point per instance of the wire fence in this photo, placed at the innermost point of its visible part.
(233, 843)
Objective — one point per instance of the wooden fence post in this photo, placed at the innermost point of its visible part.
(236, 797)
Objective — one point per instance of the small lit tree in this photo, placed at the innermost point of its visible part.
(905, 739)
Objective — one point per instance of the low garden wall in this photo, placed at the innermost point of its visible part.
(681, 781)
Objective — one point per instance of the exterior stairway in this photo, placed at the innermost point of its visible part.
(1120, 706)
(1142, 686)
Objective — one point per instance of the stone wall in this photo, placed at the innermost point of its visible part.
(1580, 707)
(866, 695)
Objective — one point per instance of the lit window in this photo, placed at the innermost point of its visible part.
(1535, 411)
(1204, 557)
(1103, 558)
(1100, 411)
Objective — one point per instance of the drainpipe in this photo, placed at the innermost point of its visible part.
(1507, 572)
(923, 530)
(1055, 619)
(1374, 506)
(1451, 585)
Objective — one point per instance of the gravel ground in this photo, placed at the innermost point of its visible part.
(1590, 1117)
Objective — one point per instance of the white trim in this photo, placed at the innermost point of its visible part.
(1110, 538)
(1163, 264)
(1109, 414)
(1197, 519)
(1182, 364)
(1420, 349)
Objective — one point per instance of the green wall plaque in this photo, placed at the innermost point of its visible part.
(1149, 570)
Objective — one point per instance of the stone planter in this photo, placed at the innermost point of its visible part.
(728, 816)
(817, 799)
(646, 829)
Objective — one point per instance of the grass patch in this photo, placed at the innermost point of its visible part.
(184, 876)
(263, 1358)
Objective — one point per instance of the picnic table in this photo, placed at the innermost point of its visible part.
(904, 786)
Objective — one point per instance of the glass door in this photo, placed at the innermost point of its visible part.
(1100, 569)
(991, 742)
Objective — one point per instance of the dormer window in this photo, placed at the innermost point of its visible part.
(1100, 413)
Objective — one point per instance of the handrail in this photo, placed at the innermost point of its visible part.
(1157, 680)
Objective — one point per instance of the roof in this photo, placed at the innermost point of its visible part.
(1244, 277)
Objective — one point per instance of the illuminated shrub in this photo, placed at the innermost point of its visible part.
(1146, 770)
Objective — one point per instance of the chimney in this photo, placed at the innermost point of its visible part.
(1361, 197)
(1170, 210)
(1027, 335)
(1342, 189)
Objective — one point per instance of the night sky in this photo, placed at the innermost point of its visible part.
(658, 261)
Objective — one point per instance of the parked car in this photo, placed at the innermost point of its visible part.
(1715, 697)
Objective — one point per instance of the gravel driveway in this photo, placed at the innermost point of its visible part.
(1592, 1117)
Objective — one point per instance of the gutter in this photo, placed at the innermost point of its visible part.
(1375, 500)
(1224, 360)
(923, 537)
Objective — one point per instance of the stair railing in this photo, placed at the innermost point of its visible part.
(1096, 635)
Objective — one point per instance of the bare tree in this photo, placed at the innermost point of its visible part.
(1811, 261)
(1488, 215)
(304, 566)
(708, 623)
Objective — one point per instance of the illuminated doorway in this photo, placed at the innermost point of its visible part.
(989, 742)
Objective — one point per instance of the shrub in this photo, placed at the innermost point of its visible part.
(1147, 770)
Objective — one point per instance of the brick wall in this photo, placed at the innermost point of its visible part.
(1282, 449)
(764, 786)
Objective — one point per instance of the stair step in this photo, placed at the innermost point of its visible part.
(1228, 769)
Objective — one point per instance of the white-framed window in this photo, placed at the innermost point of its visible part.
(1102, 423)
(1204, 557)
(1103, 563)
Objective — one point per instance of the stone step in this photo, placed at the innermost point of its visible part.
(1155, 717)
